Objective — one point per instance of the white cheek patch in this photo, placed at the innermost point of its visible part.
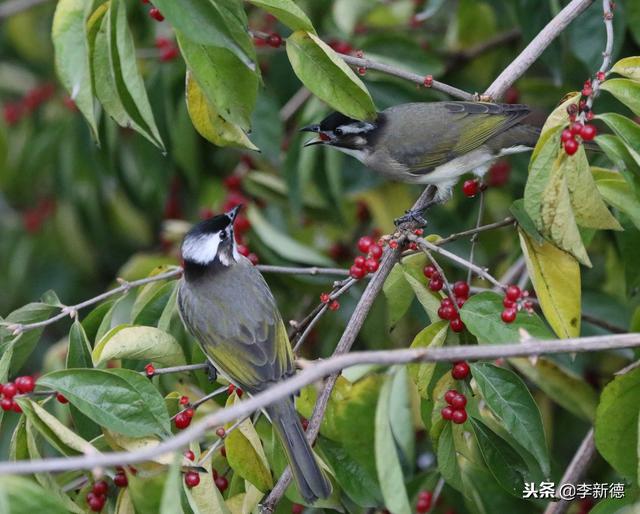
(201, 249)
(357, 128)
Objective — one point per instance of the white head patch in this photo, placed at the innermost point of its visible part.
(360, 127)
(201, 249)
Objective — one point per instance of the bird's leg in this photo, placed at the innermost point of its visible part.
(432, 195)
(412, 216)
(212, 372)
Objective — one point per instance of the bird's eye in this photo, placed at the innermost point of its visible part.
(339, 132)
(223, 235)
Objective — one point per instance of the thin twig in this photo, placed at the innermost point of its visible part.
(575, 471)
(206, 455)
(294, 104)
(437, 491)
(315, 372)
(457, 59)
(474, 238)
(177, 369)
(484, 228)
(534, 49)
(607, 16)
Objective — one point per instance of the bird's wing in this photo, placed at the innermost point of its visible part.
(462, 128)
(242, 333)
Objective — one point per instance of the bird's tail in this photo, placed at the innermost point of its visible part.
(311, 481)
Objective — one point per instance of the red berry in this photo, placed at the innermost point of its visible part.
(325, 298)
(12, 112)
(436, 284)
(470, 187)
(231, 389)
(512, 95)
(600, 76)
(239, 392)
(190, 412)
(393, 244)
(6, 404)
(275, 40)
(253, 258)
(425, 495)
(357, 272)
(457, 325)
(460, 370)
(459, 416)
(155, 13)
(429, 271)
(100, 487)
(571, 146)
(509, 315)
(191, 479)
(95, 503)
(120, 479)
(460, 302)
(61, 398)
(371, 265)
(508, 304)
(16, 408)
(566, 135)
(587, 91)
(428, 81)
(576, 128)
(296, 508)
(168, 54)
(364, 243)
(223, 451)
(446, 413)
(232, 182)
(362, 70)
(182, 421)
(334, 305)
(450, 395)
(588, 132)
(25, 384)
(461, 289)
(447, 312)
(241, 224)
(305, 424)
(423, 505)
(149, 370)
(499, 173)
(342, 47)
(184, 400)
(359, 261)
(222, 483)
(446, 302)
(189, 455)
(459, 401)
(513, 293)
(9, 390)
(221, 432)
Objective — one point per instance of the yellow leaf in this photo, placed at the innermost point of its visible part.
(558, 117)
(208, 122)
(628, 67)
(556, 279)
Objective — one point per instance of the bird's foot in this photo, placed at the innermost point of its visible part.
(212, 372)
(412, 216)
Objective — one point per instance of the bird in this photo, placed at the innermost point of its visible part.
(226, 304)
(430, 142)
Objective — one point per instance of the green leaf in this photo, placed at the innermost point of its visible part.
(219, 23)
(556, 120)
(19, 495)
(505, 464)
(430, 301)
(206, 498)
(626, 91)
(79, 356)
(287, 12)
(246, 455)
(629, 66)
(171, 493)
(69, 36)
(624, 157)
(149, 344)
(390, 476)
(282, 244)
(617, 423)
(119, 399)
(398, 293)
(61, 437)
(626, 129)
(563, 387)
(209, 123)
(401, 415)
(617, 192)
(511, 402)
(524, 221)
(447, 456)
(555, 276)
(481, 315)
(432, 336)
(145, 491)
(327, 76)
(230, 87)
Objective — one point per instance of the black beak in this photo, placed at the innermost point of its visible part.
(316, 129)
(233, 212)
(310, 128)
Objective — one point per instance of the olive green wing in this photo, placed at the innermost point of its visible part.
(462, 128)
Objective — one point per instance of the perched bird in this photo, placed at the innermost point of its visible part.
(430, 143)
(226, 304)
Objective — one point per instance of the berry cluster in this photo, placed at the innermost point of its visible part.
(34, 217)
(577, 132)
(455, 410)
(13, 112)
(97, 497)
(515, 300)
(167, 48)
(425, 499)
(369, 262)
(332, 305)
(237, 390)
(21, 385)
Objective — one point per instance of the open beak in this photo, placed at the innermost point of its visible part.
(233, 212)
(322, 137)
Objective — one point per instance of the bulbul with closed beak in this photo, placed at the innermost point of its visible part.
(226, 304)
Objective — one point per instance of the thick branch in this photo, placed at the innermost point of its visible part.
(315, 372)
(534, 49)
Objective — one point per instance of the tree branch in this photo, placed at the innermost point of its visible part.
(314, 372)
(534, 49)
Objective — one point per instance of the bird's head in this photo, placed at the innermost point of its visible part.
(212, 241)
(346, 134)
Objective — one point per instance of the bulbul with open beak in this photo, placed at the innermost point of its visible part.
(226, 304)
(430, 143)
